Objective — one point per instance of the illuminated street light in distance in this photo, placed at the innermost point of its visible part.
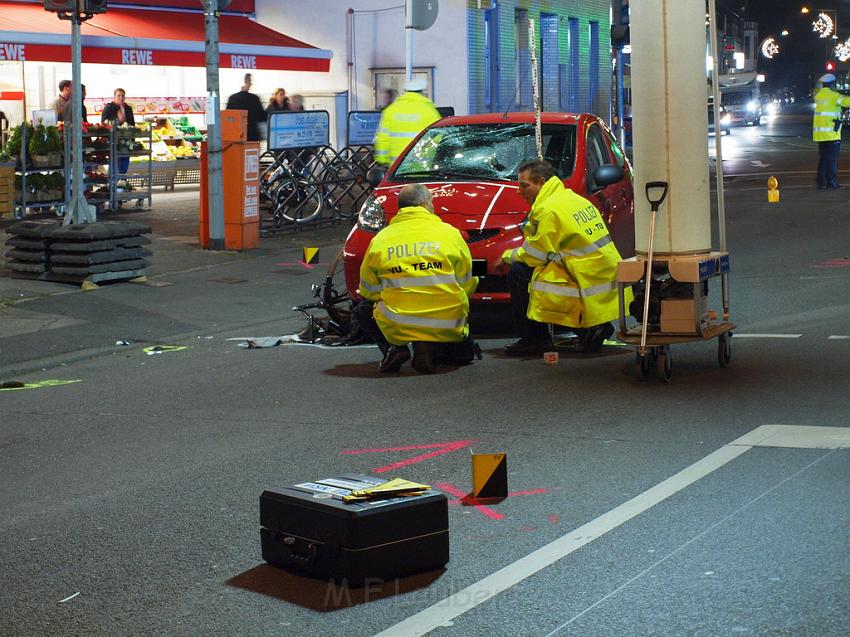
(784, 32)
(805, 9)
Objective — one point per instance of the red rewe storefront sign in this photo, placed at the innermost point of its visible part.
(140, 37)
(241, 6)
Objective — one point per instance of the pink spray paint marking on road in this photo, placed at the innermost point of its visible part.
(301, 263)
(440, 449)
(466, 499)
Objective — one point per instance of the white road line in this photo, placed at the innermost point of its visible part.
(836, 337)
(442, 613)
(739, 335)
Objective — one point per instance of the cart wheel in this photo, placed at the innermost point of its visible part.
(724, 350)
(643, 364)
(664, 368)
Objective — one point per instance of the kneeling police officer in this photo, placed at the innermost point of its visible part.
(416, 278)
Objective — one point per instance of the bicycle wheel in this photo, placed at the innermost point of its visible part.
(335, 297)
(297, 200)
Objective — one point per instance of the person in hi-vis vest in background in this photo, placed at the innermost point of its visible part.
(826, 131)
(403, 120)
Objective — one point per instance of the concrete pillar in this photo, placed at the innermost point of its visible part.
(670, 123)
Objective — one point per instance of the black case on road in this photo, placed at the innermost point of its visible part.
(307, 527)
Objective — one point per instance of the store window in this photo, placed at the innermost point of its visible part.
(491, 59)
(575, 70)
(388, 83)
(523, 59)
(550, 75)
(593, 75)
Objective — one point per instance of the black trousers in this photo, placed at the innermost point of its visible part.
(446, 353)
(519, 277)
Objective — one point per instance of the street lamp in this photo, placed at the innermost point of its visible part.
(805, 9)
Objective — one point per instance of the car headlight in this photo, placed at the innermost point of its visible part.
(371, 216)
(751, 106)
(725, 119)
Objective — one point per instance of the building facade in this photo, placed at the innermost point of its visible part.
(476, 56)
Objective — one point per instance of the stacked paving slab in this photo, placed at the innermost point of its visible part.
(95, 252)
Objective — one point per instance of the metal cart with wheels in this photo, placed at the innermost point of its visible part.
(682, 316)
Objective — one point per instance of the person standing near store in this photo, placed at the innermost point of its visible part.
(565, 271)
(416, 278)
(62, 100)
(403, 120)
(118, 113)
(278, 103)
(67, 113)
(244, 100)
(296, 103)
(827, 132)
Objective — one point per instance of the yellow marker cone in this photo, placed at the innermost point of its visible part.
(311, 256)
(489, 475)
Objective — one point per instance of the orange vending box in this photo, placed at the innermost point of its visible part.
(240, 183)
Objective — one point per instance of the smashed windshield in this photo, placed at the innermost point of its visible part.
(486, 151)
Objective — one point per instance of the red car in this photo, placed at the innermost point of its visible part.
(470, 165)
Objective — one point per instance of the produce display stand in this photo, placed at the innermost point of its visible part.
(38, 169)
(103, 148)
(125, 143)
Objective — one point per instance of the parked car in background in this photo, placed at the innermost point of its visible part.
(725, 119)
(470, 164)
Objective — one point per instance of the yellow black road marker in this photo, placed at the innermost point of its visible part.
(311, 256)
(489, 475)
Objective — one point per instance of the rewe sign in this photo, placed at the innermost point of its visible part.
(12, 52)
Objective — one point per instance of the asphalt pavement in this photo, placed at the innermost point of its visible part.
(716, 504)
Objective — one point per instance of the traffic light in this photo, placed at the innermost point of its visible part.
(60, 6)
(830, 66)
(95, 6)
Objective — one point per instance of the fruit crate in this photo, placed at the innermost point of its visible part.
(7, 189)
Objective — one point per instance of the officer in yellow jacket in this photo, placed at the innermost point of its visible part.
(416, 278)
(403, 120)
(565, 271)
(826, 132)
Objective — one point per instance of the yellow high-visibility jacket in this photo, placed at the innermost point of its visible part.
(418, 271)
(828, 105)
(574, 260)
(400, 122)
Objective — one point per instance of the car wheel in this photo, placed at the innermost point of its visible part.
(757, 121)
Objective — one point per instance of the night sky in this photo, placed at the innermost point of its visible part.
(803, 55)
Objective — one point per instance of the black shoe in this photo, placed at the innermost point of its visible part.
(423, 357)
(394, 358)
(594, 338)
(526, 347)
(836, 187)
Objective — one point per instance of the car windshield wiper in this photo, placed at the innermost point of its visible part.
(448, 174)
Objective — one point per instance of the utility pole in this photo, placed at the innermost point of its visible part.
(77, 210)
(215, 186)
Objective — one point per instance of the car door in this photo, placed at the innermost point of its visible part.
(611, 200)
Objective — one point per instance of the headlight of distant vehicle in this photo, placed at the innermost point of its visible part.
(752, 105)
(772, 108)
(725, 119)
(371, 216)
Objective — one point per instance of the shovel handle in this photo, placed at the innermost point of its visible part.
(650, 185)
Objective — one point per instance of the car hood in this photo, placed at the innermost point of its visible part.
(465, 198)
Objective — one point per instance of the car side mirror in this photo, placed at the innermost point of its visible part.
(607, 174)
(375, 175)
